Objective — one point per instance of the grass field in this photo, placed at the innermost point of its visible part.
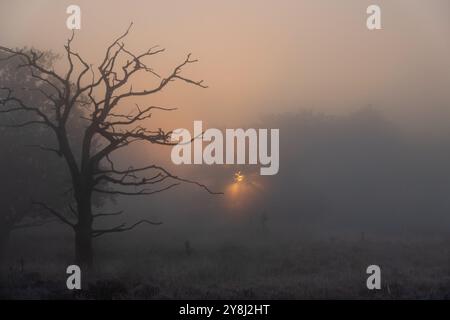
(319, 269)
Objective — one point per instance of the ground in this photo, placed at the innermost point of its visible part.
(315, 269)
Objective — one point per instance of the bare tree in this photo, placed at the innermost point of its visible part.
(27, 174)
(107, 89)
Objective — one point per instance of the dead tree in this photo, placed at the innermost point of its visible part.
(107, 88)
(27, 174)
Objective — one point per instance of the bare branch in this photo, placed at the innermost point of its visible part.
(164, 171)
(23, 107)
(23, 124)
(33, 224)
(143, 192)
(173, 76)
(31, 60)
(130, 119)
(122, 228)
(54, 212)
(43, 148)
(98, 215)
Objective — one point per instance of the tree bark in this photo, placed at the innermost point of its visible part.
(83, 247)
(84, 254)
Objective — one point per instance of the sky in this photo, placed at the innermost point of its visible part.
(263, 57)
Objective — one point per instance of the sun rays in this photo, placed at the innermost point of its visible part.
(244, 192)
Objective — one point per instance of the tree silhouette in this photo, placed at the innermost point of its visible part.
(109, 128)
(26, 174)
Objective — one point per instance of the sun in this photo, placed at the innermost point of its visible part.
(244, 192)
(238, 177)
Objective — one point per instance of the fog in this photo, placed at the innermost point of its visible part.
(269, 58)
(339, 175)
(364, 128)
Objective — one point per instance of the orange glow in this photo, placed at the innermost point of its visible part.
(238, 177)
(244, 192)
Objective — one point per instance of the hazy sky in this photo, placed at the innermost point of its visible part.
(265, 56)
(261, 56)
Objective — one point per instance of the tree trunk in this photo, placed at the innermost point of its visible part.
(4, 238)
(84, 254)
